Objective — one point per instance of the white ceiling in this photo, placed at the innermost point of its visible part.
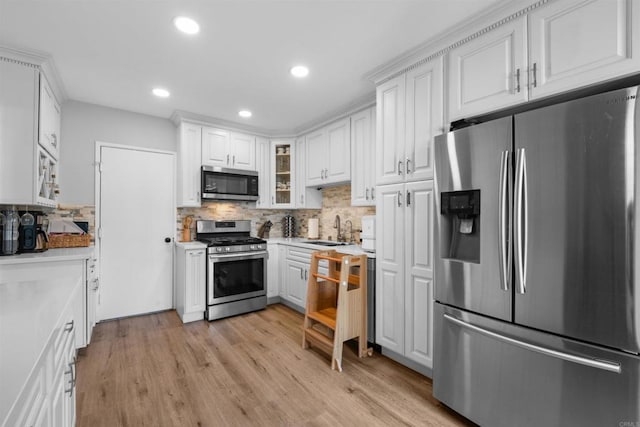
(113, 52)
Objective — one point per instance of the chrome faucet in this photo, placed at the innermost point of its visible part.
(351, 238)
(336, 224)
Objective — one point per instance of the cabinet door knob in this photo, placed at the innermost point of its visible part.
(167, 239)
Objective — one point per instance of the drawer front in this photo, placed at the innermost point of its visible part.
(63, 333)
(31, 399)
(299, 254)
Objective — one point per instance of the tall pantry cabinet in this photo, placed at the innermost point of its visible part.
(409, 115)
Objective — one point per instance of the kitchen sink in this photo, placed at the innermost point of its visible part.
(323, 243)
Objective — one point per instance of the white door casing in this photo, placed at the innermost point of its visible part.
(135, 213)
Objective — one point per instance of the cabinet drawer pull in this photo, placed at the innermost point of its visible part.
(373, 193)
(399, 167)
(408, 163)
(399, 198)
(234, 160)
(68, 327)
(518, 80)
(366, 194)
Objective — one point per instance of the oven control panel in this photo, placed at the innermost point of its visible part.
(237, 248)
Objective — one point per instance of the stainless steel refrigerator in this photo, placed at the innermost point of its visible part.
(537, 314)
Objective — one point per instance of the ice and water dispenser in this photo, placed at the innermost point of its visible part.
(460, 232)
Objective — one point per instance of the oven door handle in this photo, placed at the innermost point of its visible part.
(239, 257)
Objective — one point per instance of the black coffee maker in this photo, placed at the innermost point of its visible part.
(31, 232)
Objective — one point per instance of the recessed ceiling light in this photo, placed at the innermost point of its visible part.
(186, 25)
(245, 114)
(160, 93)
(299, 71)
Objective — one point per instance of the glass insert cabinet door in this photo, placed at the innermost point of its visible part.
(283, 173)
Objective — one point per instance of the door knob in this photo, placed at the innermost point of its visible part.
(167, 239)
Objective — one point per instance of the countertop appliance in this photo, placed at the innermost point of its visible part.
(31, 234)
(368, 235)
(236, 268)
(9, 224)
(229, 184)
(537, 314)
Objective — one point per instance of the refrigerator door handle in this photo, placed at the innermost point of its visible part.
(520, 221)
(504, 223)
(593, 363)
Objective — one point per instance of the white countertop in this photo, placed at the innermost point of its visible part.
(298, 241)
(29, 312)
(62, 254)
(191, 245)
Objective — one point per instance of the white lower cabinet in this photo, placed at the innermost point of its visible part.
(49, 395)
(273, 270)
(190, 283)
(404, 273)
(295, 284)
(295, 266)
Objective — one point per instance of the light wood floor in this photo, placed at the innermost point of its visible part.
(245, 370)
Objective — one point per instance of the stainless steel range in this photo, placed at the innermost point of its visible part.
(236, 268)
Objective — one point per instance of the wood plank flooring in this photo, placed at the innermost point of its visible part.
(245, 370)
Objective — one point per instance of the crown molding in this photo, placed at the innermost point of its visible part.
(467, 30)
(39, 60)
(346, 110)
(179, 116)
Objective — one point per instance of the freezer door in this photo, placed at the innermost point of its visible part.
(574, 217)
(476, 278)
(499, 374)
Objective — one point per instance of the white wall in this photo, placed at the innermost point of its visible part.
(83, 124)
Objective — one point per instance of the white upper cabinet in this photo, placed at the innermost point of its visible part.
(338, 161)
(243, 151)
(228, 149)
(283, 172)
(363, 155)
(215, 147)
(424, 119)
(556, 47)
(390, 120)
(329, 154)
(28, 169)
(316, 151)
(306, 197)
(49, 119)
(189, 162)
(263, 166)
(576, 43)
(489, 72)
(409, 116)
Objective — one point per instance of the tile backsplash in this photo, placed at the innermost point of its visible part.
(76, 213)
(336, 201)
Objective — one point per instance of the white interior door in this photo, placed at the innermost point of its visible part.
(136, 215)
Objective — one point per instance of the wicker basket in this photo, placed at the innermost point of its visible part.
(69, 240)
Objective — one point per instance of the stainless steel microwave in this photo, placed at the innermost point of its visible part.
(229, 184)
